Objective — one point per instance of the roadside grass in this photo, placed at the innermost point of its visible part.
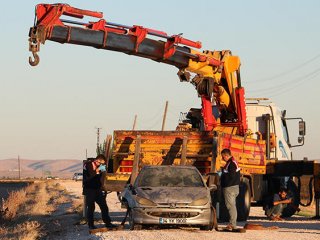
(26, 213)
(306, 214)
(305, 198)
(14, 226)
(27, 230)
(11, 206)
(307, 211)
(58, 194)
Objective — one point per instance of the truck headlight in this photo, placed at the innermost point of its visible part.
(145, 202)
(200, 202)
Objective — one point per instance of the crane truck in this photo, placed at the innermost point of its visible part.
(255, 130)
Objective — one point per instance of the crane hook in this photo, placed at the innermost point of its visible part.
(36, 60)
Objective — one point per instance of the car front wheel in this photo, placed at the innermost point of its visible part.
(132, 224)
(213, 221)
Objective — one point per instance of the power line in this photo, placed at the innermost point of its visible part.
(156, 115)
(156, 123)
(188, 105)
(293, 69)
(290, 82)
(293, 87)
(279, 90)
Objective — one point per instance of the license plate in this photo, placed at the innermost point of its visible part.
(172, 220)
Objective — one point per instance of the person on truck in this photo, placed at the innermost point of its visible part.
(279, 202)
(92, 189)
(230, 181)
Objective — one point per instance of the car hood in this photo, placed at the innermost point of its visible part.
(163, 195)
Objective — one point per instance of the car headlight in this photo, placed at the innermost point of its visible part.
(200, 202)
(145, 202)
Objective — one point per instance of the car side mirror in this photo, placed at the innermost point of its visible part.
(213, 181)
(132, 189)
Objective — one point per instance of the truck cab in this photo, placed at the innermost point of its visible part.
(267, 121)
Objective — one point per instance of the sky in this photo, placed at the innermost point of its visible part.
(52, 111)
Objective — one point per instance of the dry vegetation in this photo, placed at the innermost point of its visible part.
(31, 213)
(305, 197)
(77, 206)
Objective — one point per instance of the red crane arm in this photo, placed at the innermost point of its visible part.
(214, 70)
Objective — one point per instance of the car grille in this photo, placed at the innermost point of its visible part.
(177, 205)
(173, 214)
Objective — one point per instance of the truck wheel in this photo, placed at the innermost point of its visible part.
(294, 194)
(244, 200)
(132, 224)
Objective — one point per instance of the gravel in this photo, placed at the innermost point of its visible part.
(296, 227)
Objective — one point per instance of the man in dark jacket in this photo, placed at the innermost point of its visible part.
(92, 189)
(230, 180)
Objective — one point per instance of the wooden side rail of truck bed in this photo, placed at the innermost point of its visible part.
(201, 149)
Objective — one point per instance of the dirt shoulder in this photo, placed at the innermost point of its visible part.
(41, 210)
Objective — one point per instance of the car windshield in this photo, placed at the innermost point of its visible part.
(169, 177)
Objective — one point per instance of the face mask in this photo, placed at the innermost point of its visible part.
(102, 168)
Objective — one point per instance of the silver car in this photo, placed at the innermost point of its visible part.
(77, 176)
(169, 195)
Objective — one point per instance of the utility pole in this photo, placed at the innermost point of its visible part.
(134, 122)
(19, 166)
(98, 139)
(164, 116)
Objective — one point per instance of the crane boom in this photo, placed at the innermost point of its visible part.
(217, 73)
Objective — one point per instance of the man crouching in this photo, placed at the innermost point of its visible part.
(279, 202)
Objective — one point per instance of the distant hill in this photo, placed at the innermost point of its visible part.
(62, 168)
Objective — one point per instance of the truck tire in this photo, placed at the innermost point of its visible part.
(244, 200)
(223, 211)
(294, 194)
(243, 203)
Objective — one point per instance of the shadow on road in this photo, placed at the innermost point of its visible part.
(297, 223)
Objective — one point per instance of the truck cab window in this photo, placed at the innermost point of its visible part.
(285, 131)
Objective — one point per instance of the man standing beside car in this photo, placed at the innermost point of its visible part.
(230, 180)
(92, 189)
